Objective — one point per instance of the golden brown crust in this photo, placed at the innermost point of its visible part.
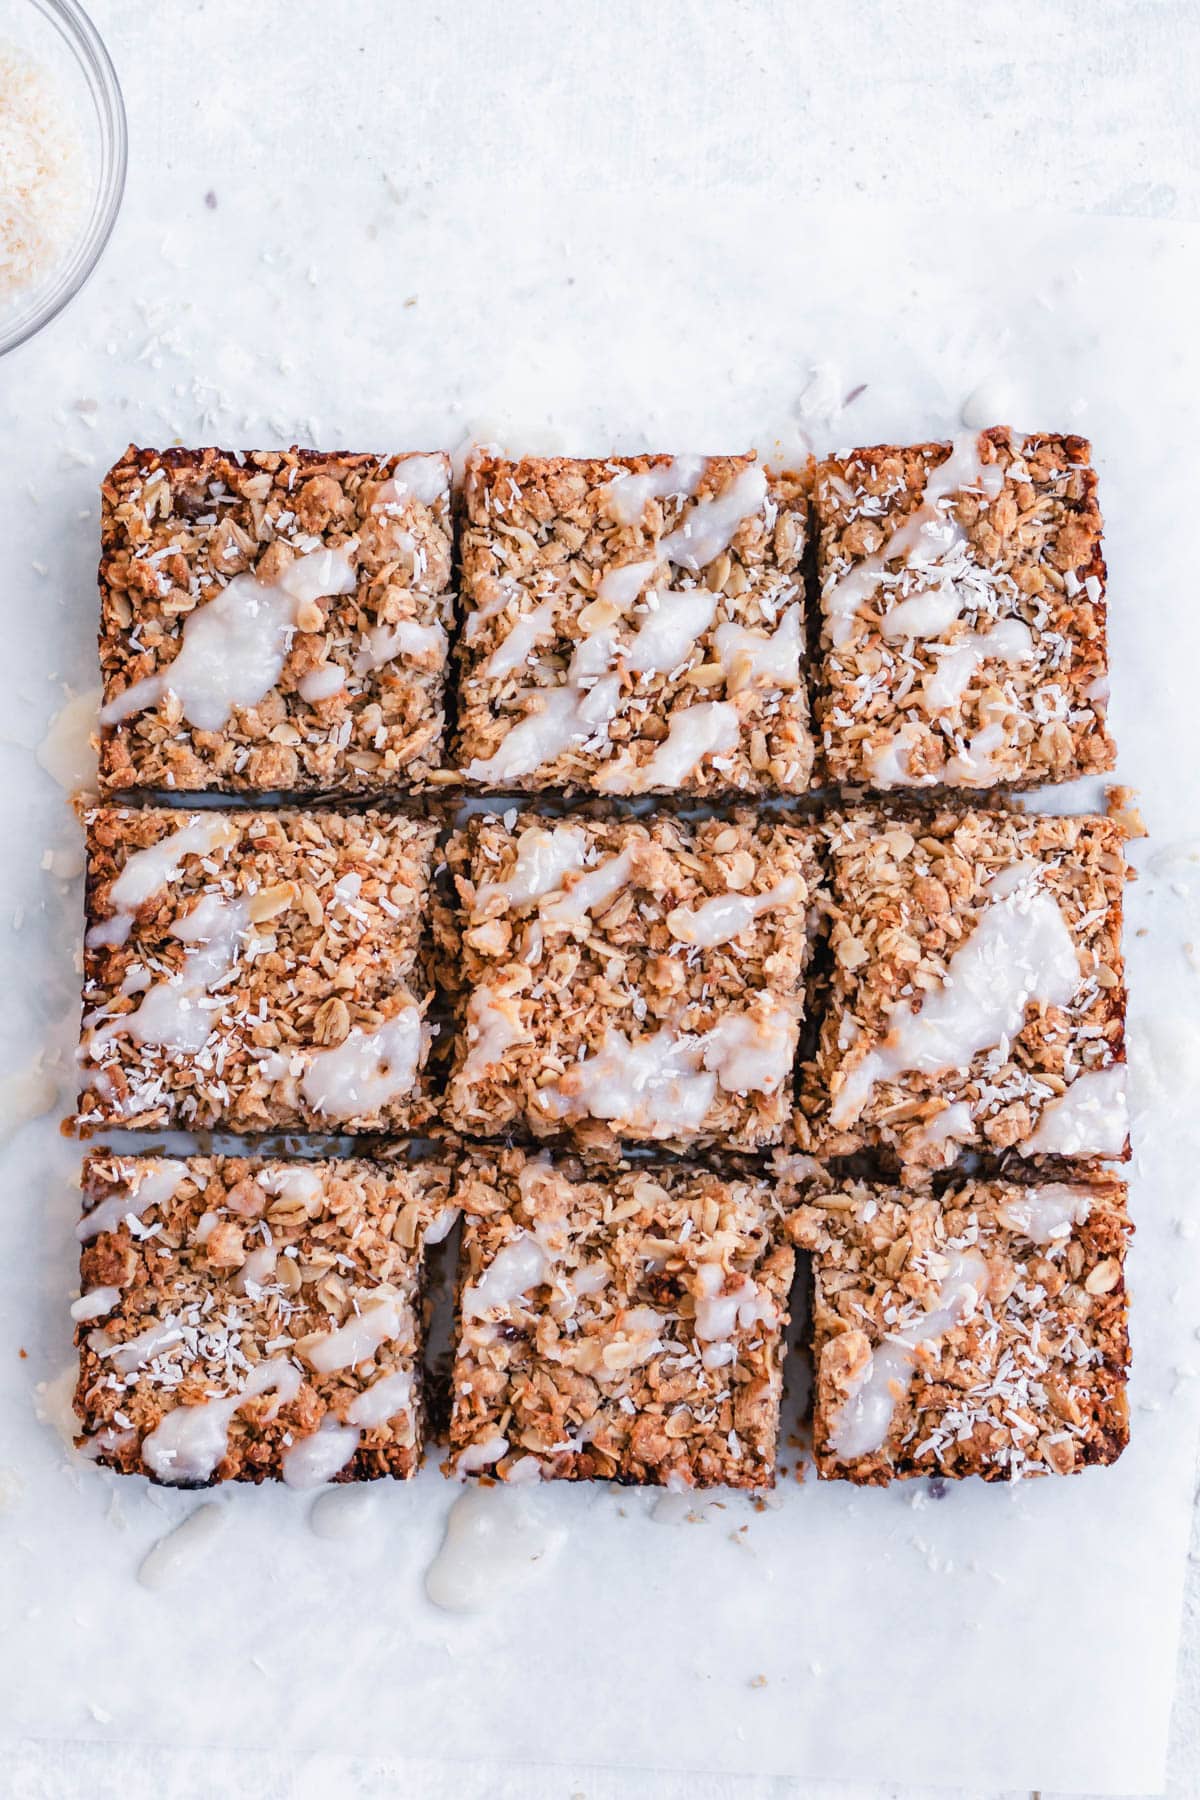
(542, 533)
(239, 1261)
(905, 893)
(640, 1338)
(177, 525)
(903, 707)
(1029, 1374)
(547, 984)
(327, 910)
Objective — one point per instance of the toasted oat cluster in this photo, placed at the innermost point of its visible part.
(254, 970)
(625, 1325)
(976, 996)
(633, 625)
(273, 621)
(250, 1320)
(980, 1333)
(631, 980)
(962, 600)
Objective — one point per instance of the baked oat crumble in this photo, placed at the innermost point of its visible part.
(630, 980)
(249, 1320)
(962, 598)
(976, 994)
(621, 1325)
(254, 970)
(633, 625)
(982, 1331)
(271, 621)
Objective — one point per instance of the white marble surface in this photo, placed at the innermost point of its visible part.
(619, 225)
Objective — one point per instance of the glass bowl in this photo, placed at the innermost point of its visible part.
(59, 35)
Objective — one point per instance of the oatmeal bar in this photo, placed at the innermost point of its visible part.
(979, 1333)
(254, 970)
(277, 620)
(976, 995)
(962, 596)
(625, 1325)
(253, 1320)
(631, 980)
(633, 625)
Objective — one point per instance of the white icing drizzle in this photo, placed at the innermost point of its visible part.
(762, 659)
(1046, 1214)
(342, 1511)
(706, 728)
(665, 1083)
(493, 1028)
(425, 477)
(654, 1084)
(190, 1441)
(497, 1539)
(381, 1321)
(441, 1225)
(147, 872)
(178, 1013)
(155, 1185)
(675, 618)
(174, 1554)
(926, 536)
(94, 1304)
(522, 1263)
(925, 614)
(621, 586)
(889, 765)
(726, 916)
(235, 645)
(293, 1182)
(590, 891)
(975, 766)
(385, 1399)
(382, 644)
(954, 1121)
(863, 1423)
(313, 1460)
(1020, 950)
(580, 709)
(543, 858)
(708, 529)
(751, 1051)
(1091, 1118)
(628, 493)
(321, 683)
(368, 1070)
(719, 1315)
(527, 632)
(478, 1456)
(1009, 641)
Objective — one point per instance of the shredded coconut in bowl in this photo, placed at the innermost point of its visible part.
(43, 174)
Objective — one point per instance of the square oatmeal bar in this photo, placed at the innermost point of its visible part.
(255, 971)
(962, 598)
(251, 1320)
(633, 625)
(981, 1332)
(976, 993)
(273, 621)
(631, 980)
(621, 1325)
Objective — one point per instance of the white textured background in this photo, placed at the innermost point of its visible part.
(418, 232)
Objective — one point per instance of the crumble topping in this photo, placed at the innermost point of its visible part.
(633, 625)
(277, 621)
